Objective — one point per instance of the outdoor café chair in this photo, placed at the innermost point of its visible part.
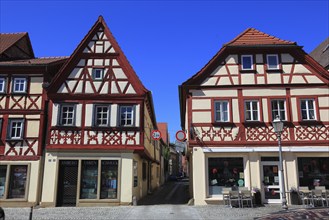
(317, 196)
(234, 196)
(305, 195)
(226, 194)
(245, 195)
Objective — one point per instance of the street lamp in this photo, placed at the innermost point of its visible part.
(278, 128)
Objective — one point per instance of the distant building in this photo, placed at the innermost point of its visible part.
(321, 54)
(228, 108)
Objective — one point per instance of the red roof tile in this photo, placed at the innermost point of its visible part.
(37, 61)
(251, 37)
(8, 40)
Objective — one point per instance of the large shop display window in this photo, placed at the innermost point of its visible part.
(224, 172)
(90, 173)
(313, 171)
(17, 182)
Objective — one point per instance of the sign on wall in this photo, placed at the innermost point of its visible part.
(156, 135)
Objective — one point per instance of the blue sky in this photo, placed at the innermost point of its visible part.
(166, 42)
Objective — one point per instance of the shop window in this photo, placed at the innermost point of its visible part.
(17, 181)
(89, 176)
(3, 176)
(251, 111)
(313, 171)
(109, 179)
(102, 115)
(225, 172)
(221, 111)
(15, 129)
(278, 109)
(126, 115)
(308, 109)
(247, 63)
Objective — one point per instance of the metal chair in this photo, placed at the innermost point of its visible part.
(317, 196)
(305, 195)
(245, 195)
(226, 194)
(234, 196)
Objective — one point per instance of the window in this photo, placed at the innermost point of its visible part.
(108, 179)
(2, 84)
(98, 74)
(221, 111)
(19, 85)
(17, 181)
(251, 111)
(126, 115)
(224, 172)
(3, 176)
(313, 171)
(247, 63)
(67, 115)
(308, 109)
(278, 109)
(272, 62)
(102, 114)
(16, 128)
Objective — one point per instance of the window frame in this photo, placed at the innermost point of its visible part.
(4, 84)
(94, 74)
(251, 61)
(220, 110)
(251, 109)
(14, 84)
(60, 118)
(10, 127)
(268, 63)
(279, 110)
(132, 115)
(307, 109)
(108, 115)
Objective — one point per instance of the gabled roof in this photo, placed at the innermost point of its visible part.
(321, 53)
(64, 71)
(8, 40)
(252, 36)
(32, 62)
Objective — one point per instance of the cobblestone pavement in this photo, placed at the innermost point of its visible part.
(208, 212)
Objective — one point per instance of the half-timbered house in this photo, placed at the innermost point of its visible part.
(99, 145)
(22, 119)
(228, 108)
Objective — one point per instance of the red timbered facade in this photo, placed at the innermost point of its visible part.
(99, 145)
(228, 108)
(22, 112)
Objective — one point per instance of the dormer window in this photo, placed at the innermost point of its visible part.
(98, 74)
(247, 62)
(19, 85)
(2, 84)
(272, 62)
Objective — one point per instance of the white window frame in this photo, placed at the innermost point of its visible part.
(249, 102)
(251, 60)
(278, 109)
(308, 110)
(94, 72)
(18, 80)
(67, 118)
(102, 118)
(268, 63)
(18, 133)
(221, 111)
(3, 84)
(126, 119)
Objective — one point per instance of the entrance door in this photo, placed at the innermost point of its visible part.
(67, 183)
(271, 183)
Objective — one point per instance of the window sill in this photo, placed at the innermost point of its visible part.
(274, 71)
(221, 124)
(15, 139)
(248, 71)
(251, 123)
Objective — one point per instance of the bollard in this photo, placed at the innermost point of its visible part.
(134, 201)
(31, 210)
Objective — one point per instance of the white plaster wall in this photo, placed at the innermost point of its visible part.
(49, 179)
(313, 79)
(274, 78)
(247, 78)
(32, 116)
(214, 93)
(32, 128)
(324, 115)
(235, 110)
(89, 114)
(264, 92)
(201, 117)
(260, 69)
(224, 81)
(36, 85)
(75, 72)
(265, 110)
(78, 115)
(233, 58)
(126, 177)
(209, 81)
(113, 116)
(294, 109)
(309, 91)
(220, 70)
(299, 68)
(323, 101)
(286, 68)
(54, 117)
(234, 69)
(137, 115)
(199, 171)
(297, 79)
(201, 104)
